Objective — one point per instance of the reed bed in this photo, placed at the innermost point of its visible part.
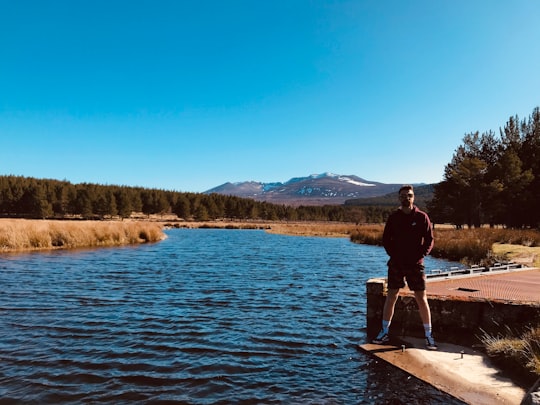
(325, 229)
(218, 224)
(293, 228)
(22, 235)
(368, 234)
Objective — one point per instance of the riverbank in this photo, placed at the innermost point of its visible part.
(466, 245)
(25, 234)
(299, 228)
(477, 246)
(18, 235)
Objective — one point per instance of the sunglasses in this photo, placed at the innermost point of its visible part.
(406, 195)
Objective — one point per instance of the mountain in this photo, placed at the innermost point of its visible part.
(317, 189)
(422, 194)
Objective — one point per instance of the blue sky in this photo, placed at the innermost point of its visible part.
(186, 95)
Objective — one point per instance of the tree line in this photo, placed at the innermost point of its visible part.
(493, 179)
(28, 197)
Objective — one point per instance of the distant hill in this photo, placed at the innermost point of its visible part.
(422, 195)
(317, 189)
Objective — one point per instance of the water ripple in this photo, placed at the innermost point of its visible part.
(206, 316)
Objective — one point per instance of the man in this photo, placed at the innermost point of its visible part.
(407, 239)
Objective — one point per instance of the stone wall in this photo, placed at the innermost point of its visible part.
(455, 320)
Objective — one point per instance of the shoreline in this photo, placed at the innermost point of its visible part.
(292, 228)
(527, 255)
(19, 235)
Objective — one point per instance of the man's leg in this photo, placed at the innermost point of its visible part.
(395, 281)
(425, 315)
(388, 313)
(423, 306)
(389, 304)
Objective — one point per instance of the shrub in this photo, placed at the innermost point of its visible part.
(518, 354)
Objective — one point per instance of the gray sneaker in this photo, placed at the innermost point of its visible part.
(381, 338)
(430, 343)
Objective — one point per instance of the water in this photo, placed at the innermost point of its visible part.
(204, 317)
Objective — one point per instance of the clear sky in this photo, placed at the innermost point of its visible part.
(188, 94)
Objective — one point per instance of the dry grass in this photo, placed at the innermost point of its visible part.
(294, 228)
(529, 256)
(517, 354)
(218, 224)
(481, 246)
(21, 235)
(325, 229)
(368, 234)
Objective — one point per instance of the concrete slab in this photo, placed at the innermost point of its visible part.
(471, 377)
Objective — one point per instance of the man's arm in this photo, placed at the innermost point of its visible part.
(427, 245)
(388, 239)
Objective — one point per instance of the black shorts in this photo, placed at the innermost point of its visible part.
(413, 273)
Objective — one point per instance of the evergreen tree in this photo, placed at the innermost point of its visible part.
(123, 202)
(34, 202)
(530, 156)
(463, 188)
(182, 207)
(201, 214)
(513, 180)
(82, 204)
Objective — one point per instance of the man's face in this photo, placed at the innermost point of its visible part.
(406, 198)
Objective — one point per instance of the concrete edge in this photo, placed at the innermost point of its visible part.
(469, 377)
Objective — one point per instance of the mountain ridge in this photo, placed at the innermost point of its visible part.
(316, 189)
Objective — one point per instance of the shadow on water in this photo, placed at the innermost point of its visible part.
(384, 384)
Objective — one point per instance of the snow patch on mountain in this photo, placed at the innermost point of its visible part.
(356, 183)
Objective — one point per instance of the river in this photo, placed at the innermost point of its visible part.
(204, 317)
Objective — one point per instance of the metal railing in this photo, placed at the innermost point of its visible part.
(456, 271)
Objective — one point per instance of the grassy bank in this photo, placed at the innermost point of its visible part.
(298, 228)
(23, 235)
(324, 229)
(481, 246)
(469, 246)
